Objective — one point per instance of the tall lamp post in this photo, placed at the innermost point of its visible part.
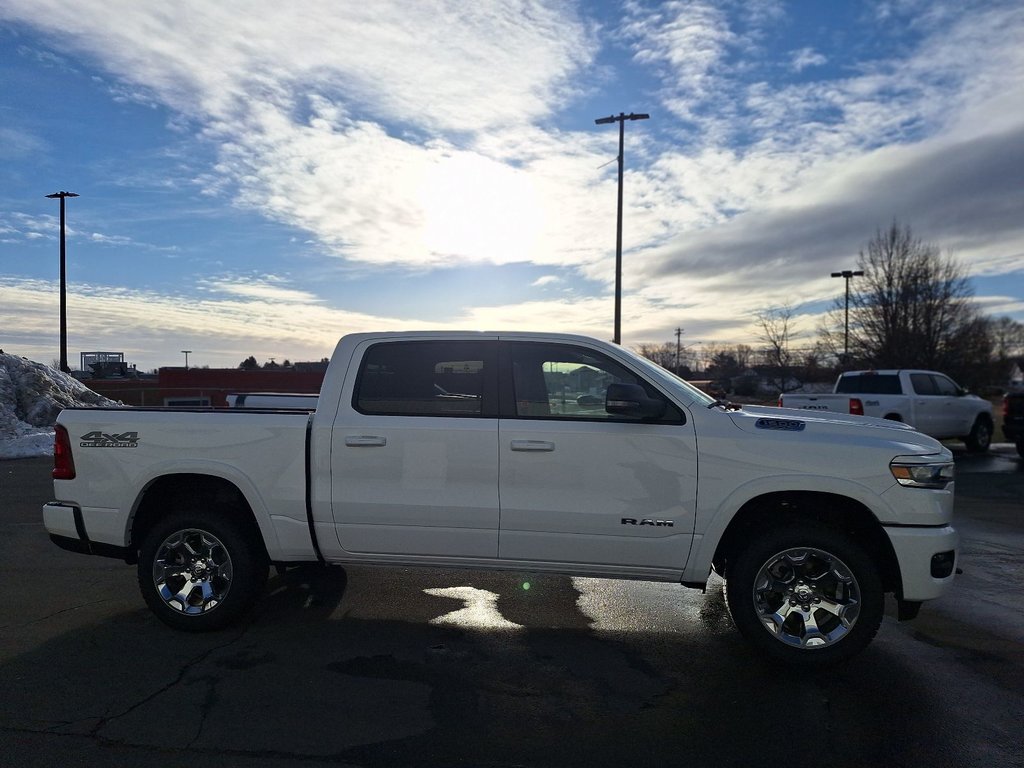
(847, 274)
(186, 353)
(621, 119)
(63, 285)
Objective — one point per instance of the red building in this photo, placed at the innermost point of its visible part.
(192, 387)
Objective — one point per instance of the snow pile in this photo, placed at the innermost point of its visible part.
(31, 396)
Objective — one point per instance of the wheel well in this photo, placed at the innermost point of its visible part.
(789, 508)
(201, 491)
(893, 417)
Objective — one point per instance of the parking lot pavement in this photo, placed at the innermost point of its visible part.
(402, 667)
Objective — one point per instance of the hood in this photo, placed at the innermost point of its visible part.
(765, 420)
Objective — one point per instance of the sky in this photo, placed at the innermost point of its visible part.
(261, 178)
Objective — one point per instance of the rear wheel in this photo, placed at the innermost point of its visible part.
(807, 595)
(1020, 447)
(980, 437)
(200, 571)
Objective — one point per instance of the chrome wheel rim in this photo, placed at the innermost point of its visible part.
(807, 598)
(192, 571)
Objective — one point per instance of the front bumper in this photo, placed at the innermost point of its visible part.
(920, 551)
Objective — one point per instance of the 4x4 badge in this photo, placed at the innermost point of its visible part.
(103, 440)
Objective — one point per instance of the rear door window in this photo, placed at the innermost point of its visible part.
(428, 378)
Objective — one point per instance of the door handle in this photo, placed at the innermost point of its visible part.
(365, 441)
(532, 445)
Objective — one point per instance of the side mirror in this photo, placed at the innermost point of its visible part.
(631, 400)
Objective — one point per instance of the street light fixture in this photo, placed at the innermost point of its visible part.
(63, 285)
(621, 119)
(186, 353)
(847, 274)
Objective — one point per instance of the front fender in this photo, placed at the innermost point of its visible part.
(713, 522)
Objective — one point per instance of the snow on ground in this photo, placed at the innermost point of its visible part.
(31, 396)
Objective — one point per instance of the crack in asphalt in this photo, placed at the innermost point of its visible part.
(55, 613)
(185, 669)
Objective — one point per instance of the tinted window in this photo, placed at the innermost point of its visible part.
(923, 384)
(869, 384)
(945, 387)
(428, 378)
(566, 382)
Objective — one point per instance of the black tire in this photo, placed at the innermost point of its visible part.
(980, 437)
(812, 577)
(201, 571)
(1020, 447)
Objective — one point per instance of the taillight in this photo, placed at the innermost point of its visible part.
(63, 463)
(856, 406)
(780, 401)
(1006, 407)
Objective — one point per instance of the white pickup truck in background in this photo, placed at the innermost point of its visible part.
(523, 452)
(930, 402)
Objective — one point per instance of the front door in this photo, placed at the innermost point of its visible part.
(579, 485)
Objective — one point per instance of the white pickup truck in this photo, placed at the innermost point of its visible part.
(930, 402)
(526, 452)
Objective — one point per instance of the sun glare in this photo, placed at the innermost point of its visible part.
(477, 209)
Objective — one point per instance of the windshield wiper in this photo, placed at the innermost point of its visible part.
(726, 405)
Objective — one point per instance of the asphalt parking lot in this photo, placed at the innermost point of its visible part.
(399, 667)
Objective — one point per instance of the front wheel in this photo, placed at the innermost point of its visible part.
(807, 595)
(200, 571)
(980, 437)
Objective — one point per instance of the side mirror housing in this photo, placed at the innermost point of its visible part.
(631, 400)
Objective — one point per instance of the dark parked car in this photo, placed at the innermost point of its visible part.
(1013, 419)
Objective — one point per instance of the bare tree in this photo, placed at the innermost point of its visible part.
(912, 308)
(776, 333)
(1007, 339)
(662, 354)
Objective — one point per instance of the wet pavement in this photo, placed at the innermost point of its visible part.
(406, 667)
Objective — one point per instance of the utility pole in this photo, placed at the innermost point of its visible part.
(847, 274)
(186, 353)
(621, 119)
(679, 345)
(63, 285)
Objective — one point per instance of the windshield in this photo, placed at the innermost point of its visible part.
(666, 377)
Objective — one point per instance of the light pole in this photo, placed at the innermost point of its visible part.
(679, 347)
(847, 274)
(63, 285)
(186, 353)
(621, 119)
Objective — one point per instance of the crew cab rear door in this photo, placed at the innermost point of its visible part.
(580, 485)
(414, 450)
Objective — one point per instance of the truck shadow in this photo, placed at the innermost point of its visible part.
(361, 667)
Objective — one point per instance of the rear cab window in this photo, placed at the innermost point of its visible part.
(869, 384)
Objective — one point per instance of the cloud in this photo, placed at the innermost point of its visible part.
(546, 280)
(266, 288)
(807, 57)
(17, 143)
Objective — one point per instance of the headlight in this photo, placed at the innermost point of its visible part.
(932, 475)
